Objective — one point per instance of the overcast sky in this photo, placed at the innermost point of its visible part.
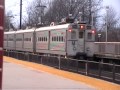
(114, 3)
(13, 5)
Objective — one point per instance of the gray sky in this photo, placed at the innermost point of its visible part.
(114, 3)
(10, 4)
(13, 5)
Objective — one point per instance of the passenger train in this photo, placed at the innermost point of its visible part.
(68, 40)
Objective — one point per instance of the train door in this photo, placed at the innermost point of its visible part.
(72, 40)
(81, 40)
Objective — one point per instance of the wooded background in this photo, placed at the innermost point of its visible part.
(47, 11)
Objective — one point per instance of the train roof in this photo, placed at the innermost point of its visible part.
(53, 27)
(10, 32)
(40, 29)
(25, 31)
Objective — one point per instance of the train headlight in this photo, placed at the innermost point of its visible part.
(93, 31)
(82, 26)
(70, 30)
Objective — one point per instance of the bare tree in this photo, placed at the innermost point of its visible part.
(35, 12)
(112, 22)
(58, 9)
(8, 21)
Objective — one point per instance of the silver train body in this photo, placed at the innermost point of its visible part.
(66, 40)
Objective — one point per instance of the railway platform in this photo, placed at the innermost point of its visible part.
(22, 75)
(17, 77)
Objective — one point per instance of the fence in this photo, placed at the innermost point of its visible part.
(106, 71)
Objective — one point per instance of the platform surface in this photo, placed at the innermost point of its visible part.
(33, 76)
(19, 77)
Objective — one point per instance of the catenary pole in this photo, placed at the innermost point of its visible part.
(20, 14)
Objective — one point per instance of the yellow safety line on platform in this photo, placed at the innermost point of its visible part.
(97, 83)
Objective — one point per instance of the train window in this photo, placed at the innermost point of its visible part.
(30, 39)
(62, 39)
(39, 39)
(51, 38)
(43, 38)
(46, 39)
(19, 39)
(73, 35)
(89, 36)
(74, 26)
(80, 34)
(10, 39)
(54, 38)
(59, 38)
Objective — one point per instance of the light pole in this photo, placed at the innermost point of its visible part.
(40, 18)
(107, 8)
(20, 14)
(9, 17)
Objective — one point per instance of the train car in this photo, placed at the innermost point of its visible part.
(10, 43)
(58, 35)
(28, 37)
(19, 40)
(52, 39)
(42, 40)
(66, 39)
(25, 40)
